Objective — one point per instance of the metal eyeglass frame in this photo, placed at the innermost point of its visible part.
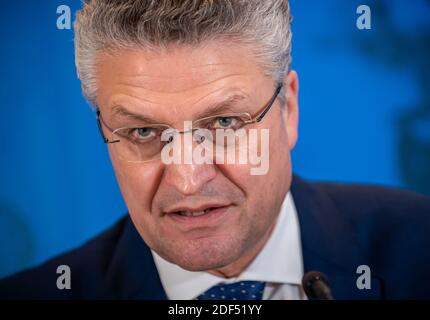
(255, 119)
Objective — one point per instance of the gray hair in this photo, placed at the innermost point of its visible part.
(109, 25)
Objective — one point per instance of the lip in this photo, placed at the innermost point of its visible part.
(208, 219)
(199, 207)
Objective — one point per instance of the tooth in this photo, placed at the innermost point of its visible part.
(188, 213)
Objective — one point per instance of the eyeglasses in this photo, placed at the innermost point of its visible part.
(145, 143)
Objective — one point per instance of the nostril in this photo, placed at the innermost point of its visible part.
(199, 137)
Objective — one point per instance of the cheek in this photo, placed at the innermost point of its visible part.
(138, 184)
(280, 172)
(263, 190)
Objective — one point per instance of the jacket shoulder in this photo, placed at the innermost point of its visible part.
(382, 213)
(391, 228)
(88, 265)
(384, 228)
(371, 201)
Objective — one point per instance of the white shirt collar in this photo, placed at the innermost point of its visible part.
(280, 261)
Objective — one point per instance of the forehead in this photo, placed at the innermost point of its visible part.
(176, 75)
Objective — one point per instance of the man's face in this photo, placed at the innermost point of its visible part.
(180, 84)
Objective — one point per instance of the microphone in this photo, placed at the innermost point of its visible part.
(316, 286)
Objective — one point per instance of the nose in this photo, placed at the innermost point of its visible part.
(189, 179)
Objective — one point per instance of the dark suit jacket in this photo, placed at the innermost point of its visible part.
(342, 227)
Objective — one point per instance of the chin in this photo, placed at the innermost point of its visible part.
(204, 264)
(205, 255)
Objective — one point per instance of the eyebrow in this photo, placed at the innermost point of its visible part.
(222, 107)
(121, 111)
(214, 109)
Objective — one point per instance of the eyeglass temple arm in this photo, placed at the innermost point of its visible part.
(99, 125)
(269, 104)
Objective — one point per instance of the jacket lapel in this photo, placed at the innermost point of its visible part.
(329, 243)
(132, 273)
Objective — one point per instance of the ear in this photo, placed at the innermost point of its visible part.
(291, 109)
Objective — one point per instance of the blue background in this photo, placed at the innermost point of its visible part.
(364, 114)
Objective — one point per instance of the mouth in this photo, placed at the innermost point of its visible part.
(199, 216)
(189, 213)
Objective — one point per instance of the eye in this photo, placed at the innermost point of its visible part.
(230, 122)
(144, 134)
(225, 121)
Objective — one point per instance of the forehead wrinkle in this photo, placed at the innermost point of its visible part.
(227, 94)
(216, 101)
(215, 107)
(115, 100)
(179, 90)
(179, 75)
(213, 64)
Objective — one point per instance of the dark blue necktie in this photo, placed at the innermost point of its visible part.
(243, 290)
